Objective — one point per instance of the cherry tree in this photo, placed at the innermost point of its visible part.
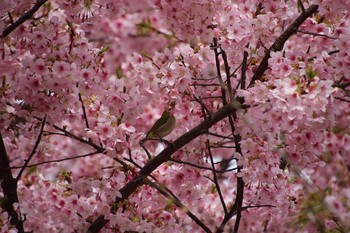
(259, 90)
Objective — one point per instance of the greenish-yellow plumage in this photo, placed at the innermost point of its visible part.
(163, 126)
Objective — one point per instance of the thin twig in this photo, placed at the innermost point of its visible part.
(203, 79)
(220, 136)
(256, 206)
(341, 85)
(244, 69)
(228, 76)
(206, 85)
(200, 167)
(69, 134)
(131, 160)
(177, 202)
(317, 34)
(240, 191)
(237, 206)
(145, 149)
(33, 151)
(333, 52)
(262, 44)
(84, 111)
(215, 46)
(223, 142)
(221, 146)
(58, 160)
(208, 97)
(342, 99)
(205, 110)
(234, 72)
(329, 53)
(215, 179)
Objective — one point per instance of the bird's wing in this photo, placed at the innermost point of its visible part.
(167, 128)
(161, 121)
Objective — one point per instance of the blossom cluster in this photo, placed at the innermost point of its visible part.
(82, 82)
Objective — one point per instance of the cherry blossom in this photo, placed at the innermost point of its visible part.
(259, 90)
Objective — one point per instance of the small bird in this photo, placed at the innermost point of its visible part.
(164, 125)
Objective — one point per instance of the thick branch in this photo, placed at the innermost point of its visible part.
(23, 18)
(9, 188)
(279, 43)
(165, 156)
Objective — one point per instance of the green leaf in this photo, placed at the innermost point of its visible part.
(144, 28)
(103, 50)
(310, 73)
(118, 72)
(32, 170)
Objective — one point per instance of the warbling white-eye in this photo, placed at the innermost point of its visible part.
(164, 125)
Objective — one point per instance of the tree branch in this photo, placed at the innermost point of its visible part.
(279, 43)
(244, 69)
(9, 188)
(84, 111)
(226, 111)
(215, 179)
(23, 18)
(33, 151)
(215, 46)
(165, 192)
(165, 156)
(58, 160)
